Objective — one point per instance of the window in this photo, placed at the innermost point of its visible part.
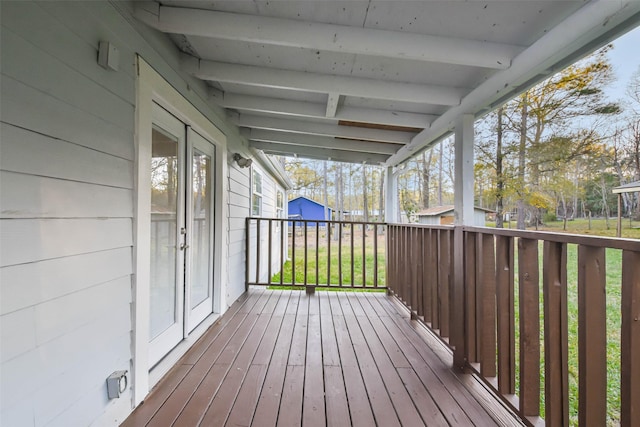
(279, 204)
(256, 195)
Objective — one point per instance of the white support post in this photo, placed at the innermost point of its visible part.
(390, 196)
(463, 186)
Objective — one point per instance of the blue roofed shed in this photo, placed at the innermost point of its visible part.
(304, 208)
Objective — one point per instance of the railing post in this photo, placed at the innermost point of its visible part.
(247, 253)
(488, 306)
(529, 284)
(457, 321)
(592, 337)
(630, 340)
(555, 334)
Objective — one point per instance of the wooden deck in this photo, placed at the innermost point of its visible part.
(334, 358)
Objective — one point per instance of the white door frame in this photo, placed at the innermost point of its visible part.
(151, 87)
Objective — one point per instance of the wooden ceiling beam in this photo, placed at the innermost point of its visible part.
(327, 37)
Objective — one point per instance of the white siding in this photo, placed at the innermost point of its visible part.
(66, 215)
(67, 208)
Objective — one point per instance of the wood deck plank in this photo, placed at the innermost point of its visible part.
(223, 402)
(245, 405)
(422, 399)
(337, 406)
(206, 340)
(334, 358)
(330, 355)
(269, 402)
(157, 397)
(359, 405)
(381, 405)
(405, 409)
(469, 408)
(291, 404)
(313, 410)
(179, 399)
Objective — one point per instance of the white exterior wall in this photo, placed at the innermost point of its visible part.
(269, 190)
(67, 191)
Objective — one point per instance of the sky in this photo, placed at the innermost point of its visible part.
(625, 58)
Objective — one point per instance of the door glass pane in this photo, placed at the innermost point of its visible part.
(201, 255)
(164, 204)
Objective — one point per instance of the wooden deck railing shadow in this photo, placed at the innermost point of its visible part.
(461, 282)
(315, 253)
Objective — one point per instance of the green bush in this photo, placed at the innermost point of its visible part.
(549, 217)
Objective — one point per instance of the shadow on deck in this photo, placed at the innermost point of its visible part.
(332, 358)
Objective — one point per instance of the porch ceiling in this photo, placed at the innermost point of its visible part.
(336, 79)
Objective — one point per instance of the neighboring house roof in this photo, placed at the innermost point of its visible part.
(439, 210)
(630, 187)
(310, 200)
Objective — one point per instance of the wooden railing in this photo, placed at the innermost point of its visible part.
(461, 282)
(310, 253)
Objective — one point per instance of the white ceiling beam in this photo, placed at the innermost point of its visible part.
(328, 37)
(318, 153)
(320, 83)
(332, 104)
(314, 110)
(323, 129)
(592, 26)
(323, 142)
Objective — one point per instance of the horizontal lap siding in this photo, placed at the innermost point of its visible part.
(239, 209)
(66, 219)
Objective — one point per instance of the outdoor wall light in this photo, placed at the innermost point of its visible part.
(243, 162)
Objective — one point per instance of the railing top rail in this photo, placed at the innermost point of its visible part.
(432, 226)
(330, 221)
(595, 241)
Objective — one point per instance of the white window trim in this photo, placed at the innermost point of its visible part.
(254, 193)
(279, 209)
(152, 87)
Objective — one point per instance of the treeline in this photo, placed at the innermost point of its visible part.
(556, 151)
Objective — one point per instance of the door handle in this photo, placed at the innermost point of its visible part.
(183, 246)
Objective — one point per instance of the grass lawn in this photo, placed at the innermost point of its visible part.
(332, 265)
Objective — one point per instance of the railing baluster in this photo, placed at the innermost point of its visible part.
(351, 237)
(435, 281)
(340, 253)
(375, 255)
(488, 302)
(282, 224)
(364, 255)
(420, 272)
(306, 252)
(411, 257)
(529, 284)
(429, 257)
(328, 227)
(270, 250)
(445, 279)
(293, 253)
(630, 340)
(317, 251)
(258, 241)
(506, 315)
(592, 337)
(470, 290)
(247, 254)
(555, 334)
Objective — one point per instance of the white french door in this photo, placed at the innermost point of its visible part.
(181, 279)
